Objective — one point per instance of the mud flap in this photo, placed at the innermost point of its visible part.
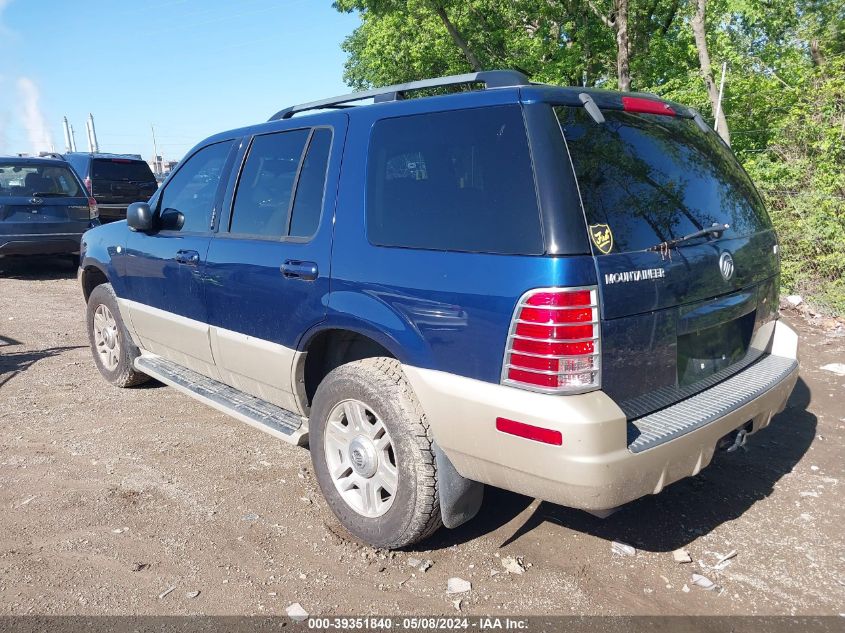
(460, 498)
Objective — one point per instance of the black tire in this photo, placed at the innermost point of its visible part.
(379, 383)
(124, 373)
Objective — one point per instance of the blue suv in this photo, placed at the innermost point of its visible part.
(564, 292)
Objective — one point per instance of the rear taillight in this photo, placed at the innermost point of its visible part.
(93, 211)
(87, 182)
(553, 345)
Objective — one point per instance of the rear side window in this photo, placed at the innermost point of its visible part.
(453, 181)
(308, 204)
(266, 184)
(652, 178)
(121, 169)
(280, 191)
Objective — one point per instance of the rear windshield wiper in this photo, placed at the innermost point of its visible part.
(715, 230)
(48, 194)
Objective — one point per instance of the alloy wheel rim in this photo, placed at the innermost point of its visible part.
(361, 459)
(106, 337)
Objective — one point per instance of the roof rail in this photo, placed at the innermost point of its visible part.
(490, 78)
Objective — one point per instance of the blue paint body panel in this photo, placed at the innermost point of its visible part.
(443, 310)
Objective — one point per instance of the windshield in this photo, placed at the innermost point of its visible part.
(121, 169)
(648, 178)
(28, 179)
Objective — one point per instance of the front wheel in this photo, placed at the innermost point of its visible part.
(372, 454)
(114, 353)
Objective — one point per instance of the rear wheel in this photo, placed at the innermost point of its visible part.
(372, 454)
(113, 350)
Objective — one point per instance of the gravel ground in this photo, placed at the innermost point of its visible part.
(110, 497)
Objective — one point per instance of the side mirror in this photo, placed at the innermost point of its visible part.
(171, 220)
(139, 217)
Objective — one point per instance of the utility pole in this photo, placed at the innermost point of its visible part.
(721, 92)
(156, 160)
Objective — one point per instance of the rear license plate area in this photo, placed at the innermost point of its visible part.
(705, 352)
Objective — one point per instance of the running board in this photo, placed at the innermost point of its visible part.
(256, 412)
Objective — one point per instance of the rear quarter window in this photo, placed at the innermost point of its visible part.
(454, 181)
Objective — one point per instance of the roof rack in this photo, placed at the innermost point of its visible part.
(490, 78)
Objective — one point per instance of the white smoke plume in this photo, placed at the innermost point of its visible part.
(32, 118)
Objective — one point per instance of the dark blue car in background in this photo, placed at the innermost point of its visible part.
(565, 292)
(44, 207)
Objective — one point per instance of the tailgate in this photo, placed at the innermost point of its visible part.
(674, 318)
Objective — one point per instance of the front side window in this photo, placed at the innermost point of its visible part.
(43, 181)
(193, 188)
(280, 192)
(454, 181)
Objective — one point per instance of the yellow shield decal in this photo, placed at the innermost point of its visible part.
(602, 237)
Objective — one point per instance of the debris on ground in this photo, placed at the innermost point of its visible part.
(414, 562)
(703, 581)
(794, 300)
(836, 368)
(296, 612)
(425, 565)
(250, 516)
(457, 604)
(166, 592)
(513, 565)
(191, 594)
(685, 588)
(622, 549)
(724, 559)
(140, 566)
(458, 585)
(681, 556)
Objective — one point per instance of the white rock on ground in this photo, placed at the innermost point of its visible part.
(836, 368)
(513, 565)
(622, 549)
(681, 556)
(458, 585)
(296, 612)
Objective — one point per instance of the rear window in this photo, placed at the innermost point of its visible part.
(22, 179)
(453, 181)
(121, 169)
(652, 178)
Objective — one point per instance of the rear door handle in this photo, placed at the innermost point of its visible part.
(191, 258)
(295, 269)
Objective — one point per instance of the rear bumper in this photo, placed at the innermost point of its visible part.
(597, 467)
(41, 244)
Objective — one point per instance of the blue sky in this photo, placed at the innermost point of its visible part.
(190, 67)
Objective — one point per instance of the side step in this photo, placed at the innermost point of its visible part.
(258, 413)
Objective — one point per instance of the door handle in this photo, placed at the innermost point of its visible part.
(192, 258)
(295, 269)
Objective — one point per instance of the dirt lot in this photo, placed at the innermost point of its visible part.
(109, 497)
